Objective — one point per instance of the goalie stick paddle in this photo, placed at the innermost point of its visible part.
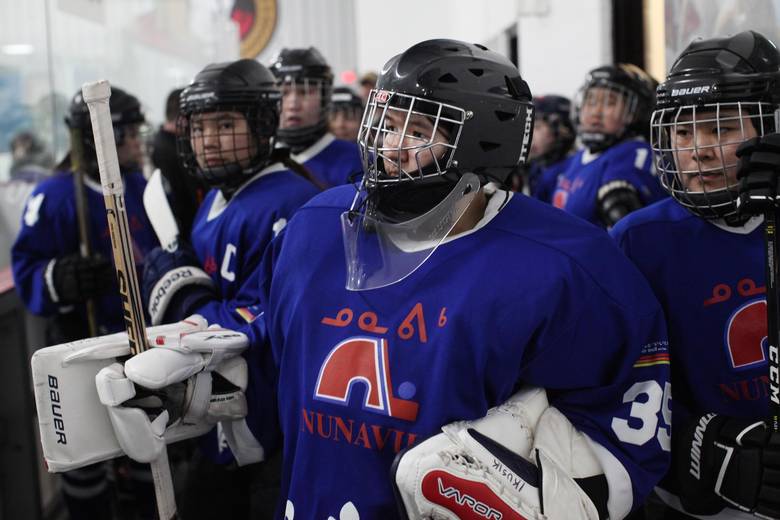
(773, 333)
(96, 96)
(159, 212)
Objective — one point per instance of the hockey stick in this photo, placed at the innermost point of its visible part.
(82, 216)
(773, 333)
(96, 97)
(159, 212)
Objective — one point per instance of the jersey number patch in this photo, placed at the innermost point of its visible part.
(643, 423)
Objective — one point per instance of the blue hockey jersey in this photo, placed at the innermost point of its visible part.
(229, 237)
(578, 186)
(332, 161)
(363, 375)
(50, 230)
(710, 283)
(544, 179)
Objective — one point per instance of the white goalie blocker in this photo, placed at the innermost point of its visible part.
(82, 421)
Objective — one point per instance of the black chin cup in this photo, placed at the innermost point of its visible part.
(407, 200)
(300, 138)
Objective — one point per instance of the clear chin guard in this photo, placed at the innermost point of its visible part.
(380, 253)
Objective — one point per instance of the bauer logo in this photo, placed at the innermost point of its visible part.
(56, 410)
(689, 91)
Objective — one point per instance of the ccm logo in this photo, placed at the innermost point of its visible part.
(704, 89)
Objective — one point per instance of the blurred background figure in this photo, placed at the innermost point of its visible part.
(367, 82)
(185, 192)
(551, 146)
(345, 114)
(612, 175)
(32, 161)
(306, 83)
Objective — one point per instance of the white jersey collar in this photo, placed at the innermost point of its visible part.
(219, 203)
(314, 149)
(745, 229)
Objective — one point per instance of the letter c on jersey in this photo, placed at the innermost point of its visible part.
(362, 361)
(227, 274)
(746, 335)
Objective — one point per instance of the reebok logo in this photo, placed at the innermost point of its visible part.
(698, 437)
(687, 91)
(164, 286)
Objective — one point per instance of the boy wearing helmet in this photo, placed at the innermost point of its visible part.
(719, 96)
(345, 115)
(611, 176)
(306, 82)
(366, 372)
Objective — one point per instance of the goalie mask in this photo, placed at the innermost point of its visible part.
(126, 117)
(228, 118)
(614, 104)
(306, 81)
(445, 117)
(719, 93)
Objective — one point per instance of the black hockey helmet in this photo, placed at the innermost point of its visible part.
(475, 94)
(125, 110)
(344, 98)
(637, 88)
(305, 67)
(721, 82)
(245, 87)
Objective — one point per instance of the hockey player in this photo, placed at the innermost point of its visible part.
(550, 148)
(720, 94)
(54, 279)
(611, 176)
(226, 139)
(306, 82)
(230, 113)
(447, 118)
(345, 115)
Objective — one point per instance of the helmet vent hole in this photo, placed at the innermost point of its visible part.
(477, 72)
(504, 116)
(488, 146)
(451, 49)
(479, 45)
(448, 78)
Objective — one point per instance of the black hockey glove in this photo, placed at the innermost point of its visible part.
(174, 285)
(77, 279)
(729, 462)
(758, 169)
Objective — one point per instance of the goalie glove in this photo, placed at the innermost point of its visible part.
(518, 462)
(184, 380)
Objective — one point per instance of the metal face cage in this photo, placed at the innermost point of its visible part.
(391, 130)
(694, 148)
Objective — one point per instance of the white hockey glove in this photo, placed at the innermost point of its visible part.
(517, 462)
(189, 379)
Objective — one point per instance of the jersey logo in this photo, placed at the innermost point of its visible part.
(745, 335)
(363, 362)
(559, 198)
(32, 213)
(227, 274)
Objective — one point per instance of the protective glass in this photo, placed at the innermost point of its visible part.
(388, 133)
(694, 149)
(380, 253)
